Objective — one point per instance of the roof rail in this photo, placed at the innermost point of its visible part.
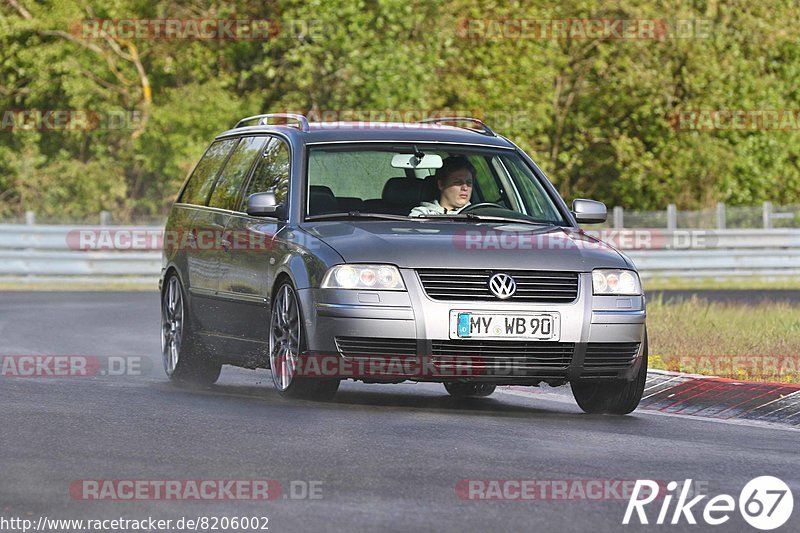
(263, 120)
(484, 129)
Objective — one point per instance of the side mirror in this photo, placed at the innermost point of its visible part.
(589, 211)
(264, 204)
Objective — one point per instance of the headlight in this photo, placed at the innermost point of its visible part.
(618, 282)
(374, 277)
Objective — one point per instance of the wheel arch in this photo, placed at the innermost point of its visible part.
(169, 271)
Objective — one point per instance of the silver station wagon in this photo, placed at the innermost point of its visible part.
(388, 252)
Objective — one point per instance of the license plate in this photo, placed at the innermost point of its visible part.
(483, 325)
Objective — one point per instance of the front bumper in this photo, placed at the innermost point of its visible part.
(601, 337)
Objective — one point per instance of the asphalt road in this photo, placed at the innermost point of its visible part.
(388, 457)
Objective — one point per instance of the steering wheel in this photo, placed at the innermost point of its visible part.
(479, 205)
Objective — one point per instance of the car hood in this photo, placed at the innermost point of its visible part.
(444, 244)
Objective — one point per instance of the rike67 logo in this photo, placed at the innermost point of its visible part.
(765, 503)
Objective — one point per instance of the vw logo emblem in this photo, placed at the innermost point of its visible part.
(503, 286)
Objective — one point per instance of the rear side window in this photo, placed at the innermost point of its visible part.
(202, 179)
(228, 189)
(356, 174)
(272, 171)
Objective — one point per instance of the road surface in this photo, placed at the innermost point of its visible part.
(379, 457)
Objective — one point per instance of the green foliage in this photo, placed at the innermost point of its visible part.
(598, 115)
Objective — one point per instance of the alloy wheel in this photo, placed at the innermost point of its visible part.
(171, 325)
(284, 338)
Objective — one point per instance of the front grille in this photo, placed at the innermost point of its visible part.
(467, 284)
(518, 358)
(463, 358)
(610, 357)
(368, 347)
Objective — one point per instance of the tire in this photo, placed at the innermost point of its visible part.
(612, 397)
(459, 389)
(185, 359)
(286, 344)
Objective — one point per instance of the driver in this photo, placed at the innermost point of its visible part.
(454, 180)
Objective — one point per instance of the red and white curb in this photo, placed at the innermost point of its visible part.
(721, 398)
(703, 396)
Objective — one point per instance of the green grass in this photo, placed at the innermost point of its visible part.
(788, 282)
(755, 343)
(74, 286)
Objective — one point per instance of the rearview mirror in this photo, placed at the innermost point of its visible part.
(427, 161)
(589, 211)
(265, 204)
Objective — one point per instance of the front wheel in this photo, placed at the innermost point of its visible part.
(469, 390)
(286, 344)
(612, 397)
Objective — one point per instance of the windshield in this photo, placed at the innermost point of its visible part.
(426, 181)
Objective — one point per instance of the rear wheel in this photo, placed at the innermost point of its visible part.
(185, 360)
(469, 390)
(612, 397)
(286, 344)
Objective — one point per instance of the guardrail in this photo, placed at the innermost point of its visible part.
(123, 254)
(765, 216)
(53, 254)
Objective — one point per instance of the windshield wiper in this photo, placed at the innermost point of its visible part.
(531, 221)
(471, 217)
(356, 214)
(455, 216)
(483, 218)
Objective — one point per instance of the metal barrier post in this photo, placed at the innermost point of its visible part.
(672, 217)
(618, 218)
(721, 215)
(766, 215)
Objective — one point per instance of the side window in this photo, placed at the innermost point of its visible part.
(486, 182)
(205, 173)
(228, 189)
(537, 203)
(355, 174)
(272, 171)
